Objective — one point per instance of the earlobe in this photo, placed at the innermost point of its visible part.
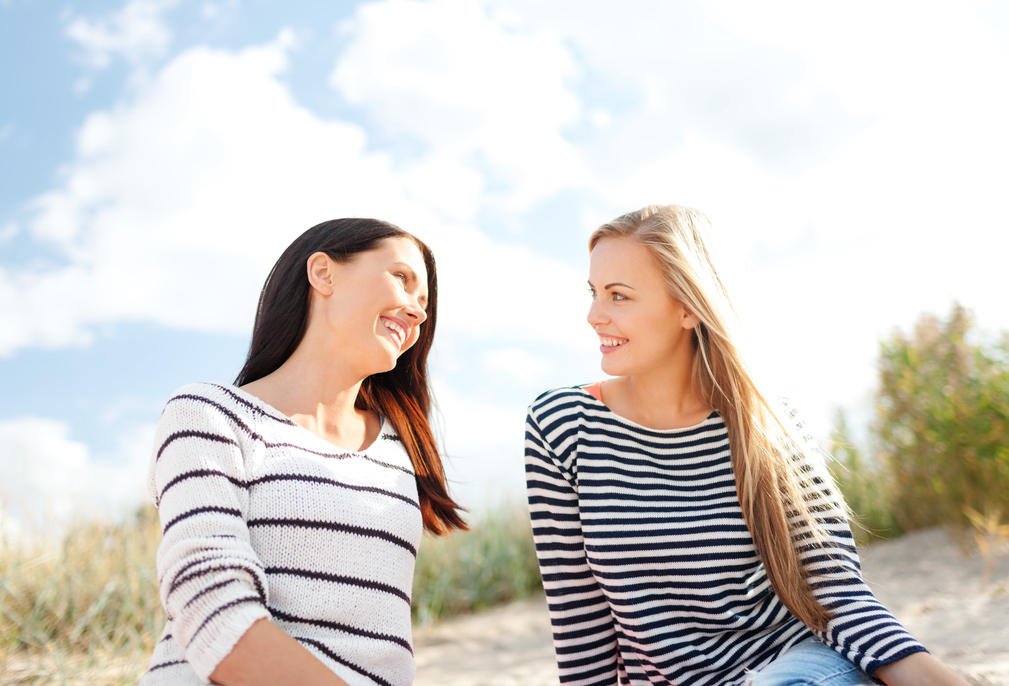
(690, 320)
(320, 273)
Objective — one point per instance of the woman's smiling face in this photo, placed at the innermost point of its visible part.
(375, 303)
(641, 327)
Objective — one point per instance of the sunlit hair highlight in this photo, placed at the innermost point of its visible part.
(762, 443)
(402, 395)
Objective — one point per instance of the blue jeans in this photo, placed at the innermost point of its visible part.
(809, 663)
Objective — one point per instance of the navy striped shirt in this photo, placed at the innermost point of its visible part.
(650, 571)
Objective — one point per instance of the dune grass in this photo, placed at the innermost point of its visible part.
(83, 611)
(493, 563)
(87, 610)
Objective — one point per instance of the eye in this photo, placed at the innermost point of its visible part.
(401, 276)
(592, 292)
(619, 296)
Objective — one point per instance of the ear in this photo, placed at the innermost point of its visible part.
(690, 320)
(321, 270)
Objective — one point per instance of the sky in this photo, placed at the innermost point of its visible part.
(156, 156)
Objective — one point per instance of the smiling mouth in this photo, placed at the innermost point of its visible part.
(611, 343)
(398, 332)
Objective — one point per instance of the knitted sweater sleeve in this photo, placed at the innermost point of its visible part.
(861, 629)
(583, 628)
(213, 585)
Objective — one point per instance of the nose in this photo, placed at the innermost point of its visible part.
(596, 314)
(415, 313)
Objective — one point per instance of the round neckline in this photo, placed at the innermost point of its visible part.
(277, 414)
(630, 422)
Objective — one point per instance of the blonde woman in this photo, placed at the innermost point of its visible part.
(686, 530)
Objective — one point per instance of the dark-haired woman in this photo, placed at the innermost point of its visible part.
(292, 503)
(686, 529)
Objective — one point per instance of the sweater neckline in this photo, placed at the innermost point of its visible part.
(270, 410)
(669, 432)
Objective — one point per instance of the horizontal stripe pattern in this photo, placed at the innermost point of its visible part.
(263, 519)
(650, 572)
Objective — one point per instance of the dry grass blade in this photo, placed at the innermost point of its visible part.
(990, 535)
(88, 612)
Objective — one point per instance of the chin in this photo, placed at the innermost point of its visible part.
(611, 368)
(382, 365)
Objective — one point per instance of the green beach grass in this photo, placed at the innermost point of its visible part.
(87, 610)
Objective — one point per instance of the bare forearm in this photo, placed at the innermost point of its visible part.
(265, 654)
(918, 669)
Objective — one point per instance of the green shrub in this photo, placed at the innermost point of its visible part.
(941, 434)
(943, 421)
(866, 485)
(493, 563)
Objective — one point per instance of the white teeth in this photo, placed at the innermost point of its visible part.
(396, 330)
(610, 342)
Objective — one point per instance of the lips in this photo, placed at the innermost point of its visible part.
(397, 329)
(608, 344)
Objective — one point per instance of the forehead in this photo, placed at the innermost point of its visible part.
(399, 251)
(623, 259)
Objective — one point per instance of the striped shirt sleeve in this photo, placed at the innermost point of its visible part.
(583, 628)
(213, 586)
(862, 629)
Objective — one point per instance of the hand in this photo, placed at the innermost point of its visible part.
(918, 669)
(265, 654)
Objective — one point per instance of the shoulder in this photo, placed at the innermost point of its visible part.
(223, 407)
(790, 416)
(563, 400)
(802, 444)
(559, 408)
(202, 423)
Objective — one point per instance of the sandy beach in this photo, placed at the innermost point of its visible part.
(930, 584)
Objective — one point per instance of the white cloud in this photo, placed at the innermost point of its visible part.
(43, 475)
(48, 481)
(181, 197)
(885, 201)
(664, 70)
(850, 160)
(470, 90)
(483, 449)
(505, 293)
(8, 231)
(136, 33)
(516, 364)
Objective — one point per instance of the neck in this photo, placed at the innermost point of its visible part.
(318, 390)
(662, 398)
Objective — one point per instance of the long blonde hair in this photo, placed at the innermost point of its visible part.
(762, 444)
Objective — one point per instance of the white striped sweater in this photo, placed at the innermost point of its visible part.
(650, 571)
(262, 518)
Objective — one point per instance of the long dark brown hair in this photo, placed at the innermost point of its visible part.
(402, 394)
